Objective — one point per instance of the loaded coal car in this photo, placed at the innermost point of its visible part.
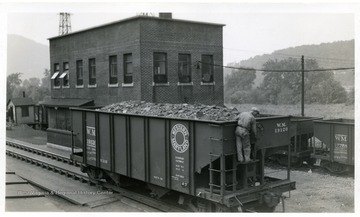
(301, 138)
(333, 144)
(191, 160)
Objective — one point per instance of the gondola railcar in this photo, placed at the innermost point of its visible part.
(194, 160)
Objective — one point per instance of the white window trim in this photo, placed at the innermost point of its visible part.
(57, 87)
(160, 84)
(127, 85)
(91, 85)
(208, 83)
(113, 85)
(66, 87)
(185, 84)
(79, 86)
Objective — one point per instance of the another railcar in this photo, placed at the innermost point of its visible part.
(193, 160)
(333, 144)
(301, 138)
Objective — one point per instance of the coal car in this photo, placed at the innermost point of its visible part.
(333, 144)
(191, 160)
(301, 138)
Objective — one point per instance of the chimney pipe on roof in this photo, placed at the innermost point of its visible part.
(165, 15)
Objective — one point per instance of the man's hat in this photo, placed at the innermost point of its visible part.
(254, 109)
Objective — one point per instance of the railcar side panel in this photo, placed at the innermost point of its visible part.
(77, 126)
(120, 145)
(203, 147)
(104, 141)
(157, 151)
(90, 139)
(273, 132)
(337, 140)
(137, 148)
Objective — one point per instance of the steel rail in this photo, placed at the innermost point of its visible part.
(42, 152)
(150, 202)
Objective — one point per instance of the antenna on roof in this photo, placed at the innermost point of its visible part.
(64, 23)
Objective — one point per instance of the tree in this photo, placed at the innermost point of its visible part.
(13, 80)
(238, 83)
(285, 87)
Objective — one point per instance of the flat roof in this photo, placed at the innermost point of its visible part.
(135, 18)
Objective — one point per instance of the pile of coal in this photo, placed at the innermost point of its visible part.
(186, 111)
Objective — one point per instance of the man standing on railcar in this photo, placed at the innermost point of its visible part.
(245, 132)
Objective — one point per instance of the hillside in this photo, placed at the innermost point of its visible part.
(26, 56)
(328, 55)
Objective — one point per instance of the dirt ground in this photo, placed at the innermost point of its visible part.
(319, 192)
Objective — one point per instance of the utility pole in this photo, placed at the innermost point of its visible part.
(64, 23)
(302, 85)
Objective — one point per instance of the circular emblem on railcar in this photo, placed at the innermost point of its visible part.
(179, 138)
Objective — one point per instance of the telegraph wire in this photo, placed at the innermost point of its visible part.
(274, 70)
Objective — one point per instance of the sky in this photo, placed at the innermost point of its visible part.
(250, 29)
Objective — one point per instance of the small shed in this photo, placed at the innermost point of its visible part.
(21, 110)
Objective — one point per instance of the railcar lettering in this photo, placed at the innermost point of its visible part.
(281, 128)
(104, 161)
(341, 138)
(90, 131)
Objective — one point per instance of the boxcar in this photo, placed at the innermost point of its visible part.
(194, 160)
(334, 144)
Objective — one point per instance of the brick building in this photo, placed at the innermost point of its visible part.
(153, 59)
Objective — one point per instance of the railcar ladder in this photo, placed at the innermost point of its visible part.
(219, 186)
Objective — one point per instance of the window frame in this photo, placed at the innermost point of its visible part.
(128, 76)
(79, 73)
(184, 79)
(66, 81)
(57, 82)
(160, 78)
(92, 72)
(113, 72)
(207, 65)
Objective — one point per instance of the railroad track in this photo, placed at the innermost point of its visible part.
(69, 168)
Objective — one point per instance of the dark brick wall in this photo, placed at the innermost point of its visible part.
(174, 38)
(99, 44)
(141, 37)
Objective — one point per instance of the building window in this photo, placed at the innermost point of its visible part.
(160, 68)
(24, 111)
(65, 74)
(128, 69)
(55, 75)
(92, 72)
(184, 68)
(113, 79)
(79, 73)
(207, 68)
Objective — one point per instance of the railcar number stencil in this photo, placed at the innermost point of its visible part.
(179, 138)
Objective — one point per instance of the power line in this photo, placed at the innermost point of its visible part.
(274, 70)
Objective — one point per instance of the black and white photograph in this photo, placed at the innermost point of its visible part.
(179, 107)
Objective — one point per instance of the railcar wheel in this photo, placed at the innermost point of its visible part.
(94, 174)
